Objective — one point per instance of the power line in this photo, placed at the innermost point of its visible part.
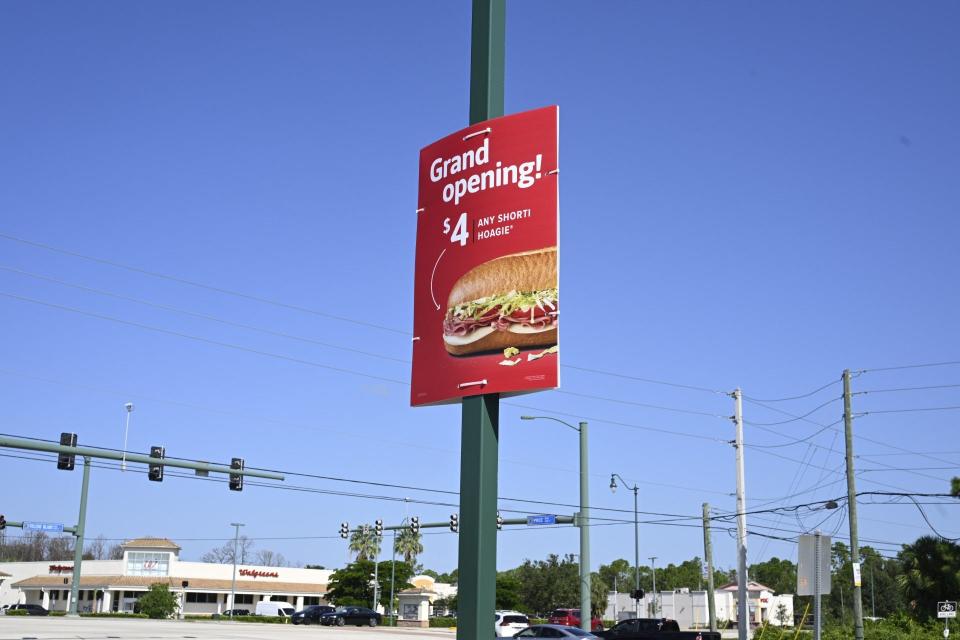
(913, 410)
(646, 380)
(228, 345)
(924, 388)
(913, 366)
(642, 404)
(203, 316)
(799, 397)
(200, 285)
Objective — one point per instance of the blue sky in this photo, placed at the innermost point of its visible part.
(752, 194)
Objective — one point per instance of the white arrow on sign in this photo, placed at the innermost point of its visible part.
(432, 273)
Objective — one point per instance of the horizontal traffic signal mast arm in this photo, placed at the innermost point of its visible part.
(19, 525)
(443, 525)
(93, 452)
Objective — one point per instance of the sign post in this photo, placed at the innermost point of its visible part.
(947, 609)
(480, 421)
(813, 572)
(486, 295)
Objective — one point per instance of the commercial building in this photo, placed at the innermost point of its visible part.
(689, 608)
(201, 587)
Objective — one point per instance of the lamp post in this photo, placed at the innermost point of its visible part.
(636, 535)
(653, 570)
(233, 584)
(586, 614)
(126, 430)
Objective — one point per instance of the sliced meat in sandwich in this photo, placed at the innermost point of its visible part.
(510, 301)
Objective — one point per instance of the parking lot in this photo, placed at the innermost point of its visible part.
(39, 628)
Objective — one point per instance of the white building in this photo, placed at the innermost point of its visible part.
(689, 608)
(115, 585)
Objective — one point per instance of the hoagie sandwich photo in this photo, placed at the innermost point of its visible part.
(511, 301)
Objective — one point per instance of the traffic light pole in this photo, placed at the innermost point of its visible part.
(78, 544)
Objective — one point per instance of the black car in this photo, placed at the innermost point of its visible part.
(351, 615)
(311, 614)
(235, 612)
(31, 609)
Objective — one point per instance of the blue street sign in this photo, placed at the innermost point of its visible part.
(543, 519)
(46, 527)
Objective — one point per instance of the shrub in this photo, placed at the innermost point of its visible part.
(443, 623)
(17, 612)
(113, 614)
(158, 602)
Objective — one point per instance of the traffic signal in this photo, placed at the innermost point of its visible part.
(65, 460)
(344, 530)
(155, 471)
(378, 527)
(3, 523)
(499, 521)
(415, 524)
(637, 594)
(454, 522)
(236, 480)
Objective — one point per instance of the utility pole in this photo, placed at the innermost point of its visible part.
(78, 544)
(708, 554)
(233, 583)
(852, 509)
(743, 609)
(653, 570)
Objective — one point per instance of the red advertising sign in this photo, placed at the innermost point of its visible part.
(486, 309)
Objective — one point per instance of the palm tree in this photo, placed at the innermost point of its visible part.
(408, 545)
(931, 568)
(365, 543)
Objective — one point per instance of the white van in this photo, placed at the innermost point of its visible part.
(271, 608)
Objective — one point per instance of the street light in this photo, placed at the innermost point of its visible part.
(636, 535)
(233, 584)
(126, 430)
(586, 614)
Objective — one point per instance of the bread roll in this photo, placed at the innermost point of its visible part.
(527, 271)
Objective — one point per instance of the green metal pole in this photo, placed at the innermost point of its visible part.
(78, 549)
(708, 556)
(480, 420)
(586, 615)
(478, 518)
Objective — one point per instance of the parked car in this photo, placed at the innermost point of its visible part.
(272, 608)
(507, 623)
(351, 615)
(235, 612)
(653, 629)
(554, 631)
(311, 614)
(31, 609)
(571, 618)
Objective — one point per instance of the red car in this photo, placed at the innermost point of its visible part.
(571, 618)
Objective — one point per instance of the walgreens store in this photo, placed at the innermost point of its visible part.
(115, 585)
